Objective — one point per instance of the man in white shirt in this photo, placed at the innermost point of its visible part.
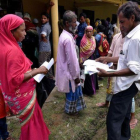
(128, 73)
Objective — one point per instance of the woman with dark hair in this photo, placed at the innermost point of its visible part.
(44, 45)
(16, 80)
(102, 46)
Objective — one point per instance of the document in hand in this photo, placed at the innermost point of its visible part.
(48, 65)
(91, 67)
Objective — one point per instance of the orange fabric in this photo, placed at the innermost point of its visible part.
(2, 106)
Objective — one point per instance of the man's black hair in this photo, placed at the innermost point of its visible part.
(82, 15)
(45, 14)
(128, 9)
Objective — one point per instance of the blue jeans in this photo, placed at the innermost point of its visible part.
(3, 129)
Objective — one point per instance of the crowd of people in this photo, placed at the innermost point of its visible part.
(24, 47)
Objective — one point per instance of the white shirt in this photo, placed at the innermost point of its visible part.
(129, 58)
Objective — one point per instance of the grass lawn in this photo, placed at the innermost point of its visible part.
(89, 124)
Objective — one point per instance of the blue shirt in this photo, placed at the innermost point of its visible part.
(98, 38)
(45, 30)
(81, 32)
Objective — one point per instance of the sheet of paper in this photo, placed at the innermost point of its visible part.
(89, 62)
(39, 77)
(91, 67)
(91, 72)
(110, 64)
(50, 64)
(96, 64)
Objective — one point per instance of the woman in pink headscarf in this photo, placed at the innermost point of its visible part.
(87, 49)
(16, 80)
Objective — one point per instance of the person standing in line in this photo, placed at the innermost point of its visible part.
(30, 43)
(81, 28)
(110, 30)
(87, 21)
(127, 75)
(67, 67)
(16, 80)
(87, 51)
(116, 47)
(45, 45)
(36, 22)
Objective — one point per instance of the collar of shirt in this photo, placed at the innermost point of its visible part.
(68, 33)
(83, 24)
(45, 24)
(132, 32)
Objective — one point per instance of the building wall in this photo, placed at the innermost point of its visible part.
(68, 4)
(102, 12)
(34, 7)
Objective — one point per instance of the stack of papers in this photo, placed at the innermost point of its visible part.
(48, 65)
(91, 67)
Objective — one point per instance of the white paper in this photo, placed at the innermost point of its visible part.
(89, 62)
(110, 64)
(91, 67)
(39, 77)
(91, 72)
(82, 78)
(50, 64)
(85, 70)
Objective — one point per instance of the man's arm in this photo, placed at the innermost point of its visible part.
(49, 6)
(120, 73)
(44, 33)
(109, 55)
(107, 59)
(43, 38)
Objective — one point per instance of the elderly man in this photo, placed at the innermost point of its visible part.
(128, 73)
(67, 68)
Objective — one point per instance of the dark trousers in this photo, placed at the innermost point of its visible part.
(3, 129)
(118, 117)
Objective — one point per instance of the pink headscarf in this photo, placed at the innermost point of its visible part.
(89, 27)
(13, 62)
(87, 46)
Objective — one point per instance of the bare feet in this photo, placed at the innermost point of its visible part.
(133, 123)
(102, 105)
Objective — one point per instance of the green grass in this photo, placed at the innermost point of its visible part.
(89, 124)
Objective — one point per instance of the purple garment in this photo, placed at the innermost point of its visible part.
(67, 66)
